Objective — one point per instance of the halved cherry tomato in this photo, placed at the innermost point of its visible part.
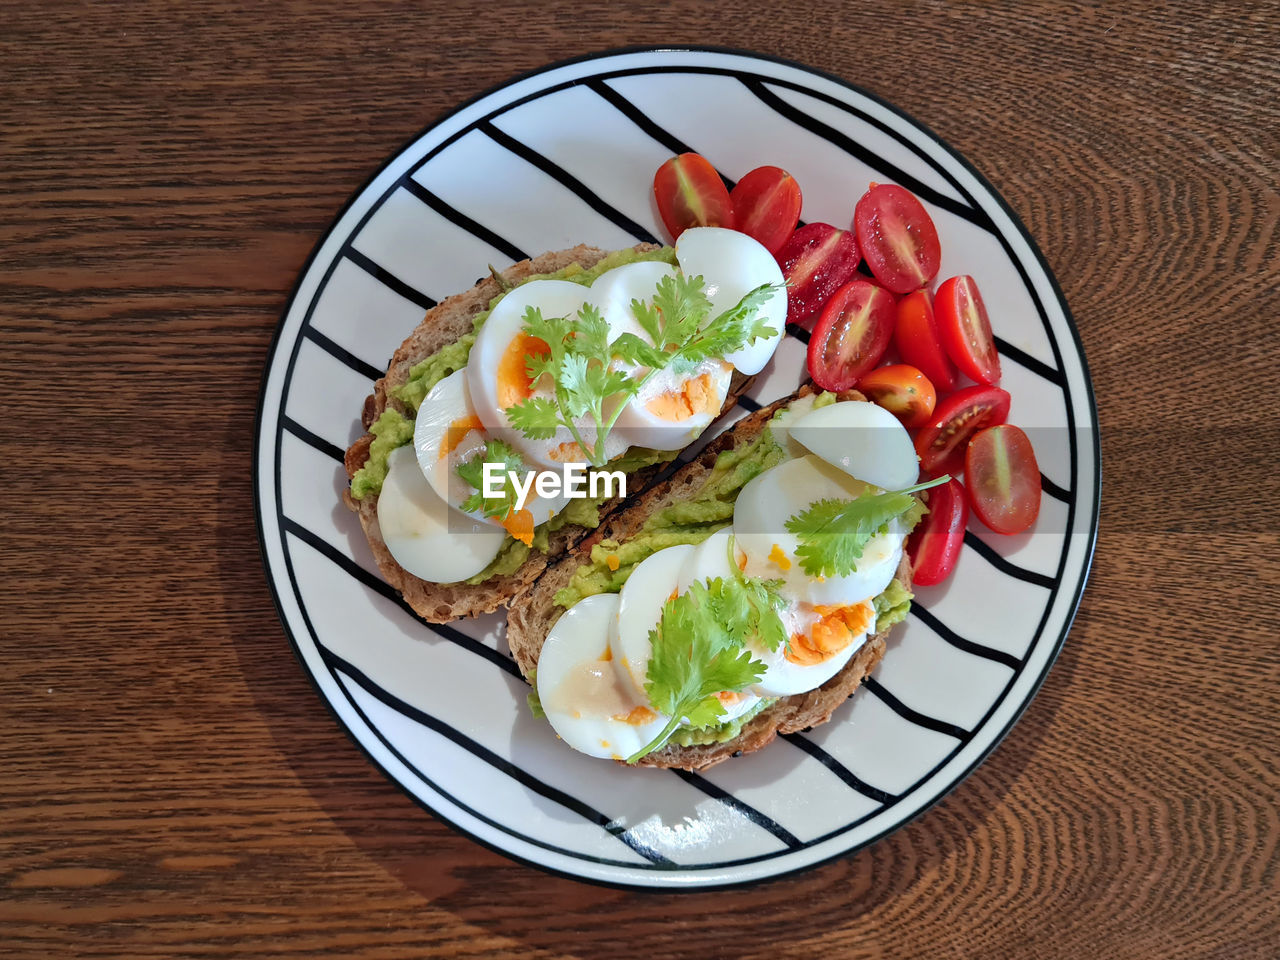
(1003, 478)
(851, 335)
(965, 330)
(940, 445)
(816, 261)
(691, 194)
(918, 343)
(897, 236)
(902, 390)
(934, 545)
(766, 205)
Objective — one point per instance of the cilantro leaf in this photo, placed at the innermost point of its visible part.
(537, 418)
(634, 350)
(697, 654)
(472, 472)
(683, 305)
(833, 533)
(579, 358)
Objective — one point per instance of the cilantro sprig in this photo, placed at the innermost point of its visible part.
(579, 359)
(699, 651)
(833, 533)
(472, 472)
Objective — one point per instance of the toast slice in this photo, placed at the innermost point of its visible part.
(533, 612)
(444, 324)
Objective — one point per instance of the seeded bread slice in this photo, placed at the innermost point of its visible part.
(533, 612)
(444, 324)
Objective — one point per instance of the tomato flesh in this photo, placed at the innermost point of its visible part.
(1003, 478)
(897, 237)
(851, 335)
(965, 329)
(917, 339)
(902, 390)
(690, 193)
(816, 261)
(941, 443)
(766, 205)
(935, 545)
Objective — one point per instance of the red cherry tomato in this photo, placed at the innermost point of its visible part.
(902, 390)
(918, 343)
(766, 206)
(897, 237)
(851, 335)
(940, 445)
(934, 545)
(1003, 478)
(816, 261)
(691, 194)
(965, 330)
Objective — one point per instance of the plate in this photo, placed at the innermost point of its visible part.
(566, 155)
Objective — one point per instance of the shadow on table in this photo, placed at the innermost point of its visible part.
(484, 889)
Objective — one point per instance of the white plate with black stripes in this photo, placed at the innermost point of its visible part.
(563, 156)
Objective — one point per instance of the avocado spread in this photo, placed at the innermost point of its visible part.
(692, 521)
(393, 429)
(688, 521)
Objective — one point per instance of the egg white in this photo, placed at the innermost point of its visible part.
(425, 535)
(578, 651)
(863, 439)
(759, 525)
(733, 264)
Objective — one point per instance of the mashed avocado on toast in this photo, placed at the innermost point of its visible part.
(393, 429)
(691, 522)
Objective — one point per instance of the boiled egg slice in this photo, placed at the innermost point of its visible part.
(588, 704)
(425, 535)
(731, 265)
(614, 290)
(863, 439)
(448, 432)
(651, 584)
(640, 609)
(708, 561)
(759, 527)
(670, 410)
(498, 380)
(823, 640)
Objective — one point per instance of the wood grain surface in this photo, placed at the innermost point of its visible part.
(171, 784)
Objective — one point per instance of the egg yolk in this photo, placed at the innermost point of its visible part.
(697, 395)
(456, 431)
(514, 384)
(780, 558)
(837, 627)
(519, 523)
(637, 717)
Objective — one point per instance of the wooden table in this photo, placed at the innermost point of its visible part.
(172, 785)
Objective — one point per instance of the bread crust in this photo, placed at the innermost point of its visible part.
(442, 325)
(532, 612)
